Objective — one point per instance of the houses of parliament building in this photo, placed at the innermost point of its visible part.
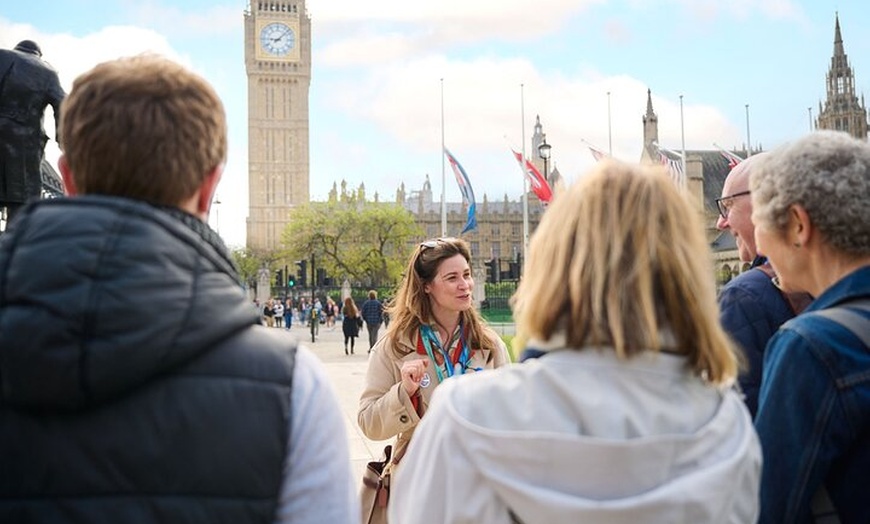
(278, 64)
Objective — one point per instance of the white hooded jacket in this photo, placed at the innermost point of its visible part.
(581, 436)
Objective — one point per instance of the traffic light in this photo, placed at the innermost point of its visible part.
(279, 278)
(321, 277)
(302, 273)
(492, 271)
(291, 280)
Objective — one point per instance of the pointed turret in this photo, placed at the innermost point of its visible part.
(650, 130)
(649, 107)
(842, 110)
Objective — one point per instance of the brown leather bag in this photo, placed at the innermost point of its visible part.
(375, 490)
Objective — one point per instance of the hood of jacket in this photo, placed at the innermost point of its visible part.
(553, 444)
(99, 294)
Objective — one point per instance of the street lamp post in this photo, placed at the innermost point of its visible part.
(216, 203)
(544, 153)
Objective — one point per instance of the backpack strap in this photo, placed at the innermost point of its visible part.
(845, 315)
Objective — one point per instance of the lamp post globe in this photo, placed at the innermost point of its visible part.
(544, 154)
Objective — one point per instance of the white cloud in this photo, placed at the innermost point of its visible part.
(482, 101)
(439, 24)
(74, 55)
(174, 21)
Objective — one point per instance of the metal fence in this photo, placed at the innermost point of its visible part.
(496, 306)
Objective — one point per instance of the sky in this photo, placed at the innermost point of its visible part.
(730, 68)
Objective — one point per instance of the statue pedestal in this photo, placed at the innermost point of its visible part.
(264, 285)
(478, 294)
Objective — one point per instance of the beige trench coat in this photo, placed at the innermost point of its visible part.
(385, 408)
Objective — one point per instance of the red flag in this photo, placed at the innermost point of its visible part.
(732, 158)
(597, 155)
(539, 184)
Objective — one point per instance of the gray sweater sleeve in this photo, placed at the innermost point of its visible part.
(318, 486)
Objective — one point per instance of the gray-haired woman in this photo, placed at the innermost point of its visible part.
(811, 209)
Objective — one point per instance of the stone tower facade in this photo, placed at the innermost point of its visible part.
(278, 65)
(841, 110)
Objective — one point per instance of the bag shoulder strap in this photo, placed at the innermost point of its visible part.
(846, 316)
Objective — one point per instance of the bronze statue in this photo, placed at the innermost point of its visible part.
(28, 85)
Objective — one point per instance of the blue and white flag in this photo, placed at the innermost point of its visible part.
(465, 189)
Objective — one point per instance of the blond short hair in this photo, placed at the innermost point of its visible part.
(142, 127)
(620, 260)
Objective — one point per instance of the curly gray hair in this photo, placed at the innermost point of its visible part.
(826, 172)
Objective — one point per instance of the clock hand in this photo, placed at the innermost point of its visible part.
(279, 37)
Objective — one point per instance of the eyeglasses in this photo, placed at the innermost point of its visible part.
(723, 207)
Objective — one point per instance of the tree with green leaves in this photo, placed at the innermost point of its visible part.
(366, 242)
(249, 262)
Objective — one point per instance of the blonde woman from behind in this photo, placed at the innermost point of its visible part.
(626, 415)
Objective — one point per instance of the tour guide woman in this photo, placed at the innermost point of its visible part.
(435, 333)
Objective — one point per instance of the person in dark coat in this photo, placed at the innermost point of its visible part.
(138, 384)
(751, 306)
(350, 324)
(373, 315)
(28, 85)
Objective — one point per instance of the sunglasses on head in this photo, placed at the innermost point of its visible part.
(426, 244)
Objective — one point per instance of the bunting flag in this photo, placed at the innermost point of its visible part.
(598, 155)
(465, 189)
(674, 166)
(539, 184)
(732, 159)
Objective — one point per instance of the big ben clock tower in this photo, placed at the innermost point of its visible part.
(278, 63)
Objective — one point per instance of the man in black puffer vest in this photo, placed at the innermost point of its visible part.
(136, 384)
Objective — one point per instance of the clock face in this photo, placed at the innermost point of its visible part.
(277, 39)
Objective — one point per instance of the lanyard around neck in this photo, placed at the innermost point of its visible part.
(429, 338)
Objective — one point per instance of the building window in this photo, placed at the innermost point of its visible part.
(496, 249)
(841, 85)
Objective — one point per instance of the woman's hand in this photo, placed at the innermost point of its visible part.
(412, 374)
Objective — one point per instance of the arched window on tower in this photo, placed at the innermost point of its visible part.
(841, 85)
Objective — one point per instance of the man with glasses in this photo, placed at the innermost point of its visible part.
(752, 307)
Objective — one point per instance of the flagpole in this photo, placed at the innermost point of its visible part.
(682, 136)
(609, 128)
(443, 177)
(525, 187)
(748, 141)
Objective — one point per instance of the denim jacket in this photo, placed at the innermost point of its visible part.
(814, 413)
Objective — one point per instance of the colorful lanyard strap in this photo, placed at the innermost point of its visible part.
(428, 336)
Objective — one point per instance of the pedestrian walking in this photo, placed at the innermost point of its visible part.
(373, 315)
(350, 323)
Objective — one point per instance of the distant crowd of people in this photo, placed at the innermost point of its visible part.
(139, 385)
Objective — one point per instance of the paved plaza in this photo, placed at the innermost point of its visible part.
(347, 374)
